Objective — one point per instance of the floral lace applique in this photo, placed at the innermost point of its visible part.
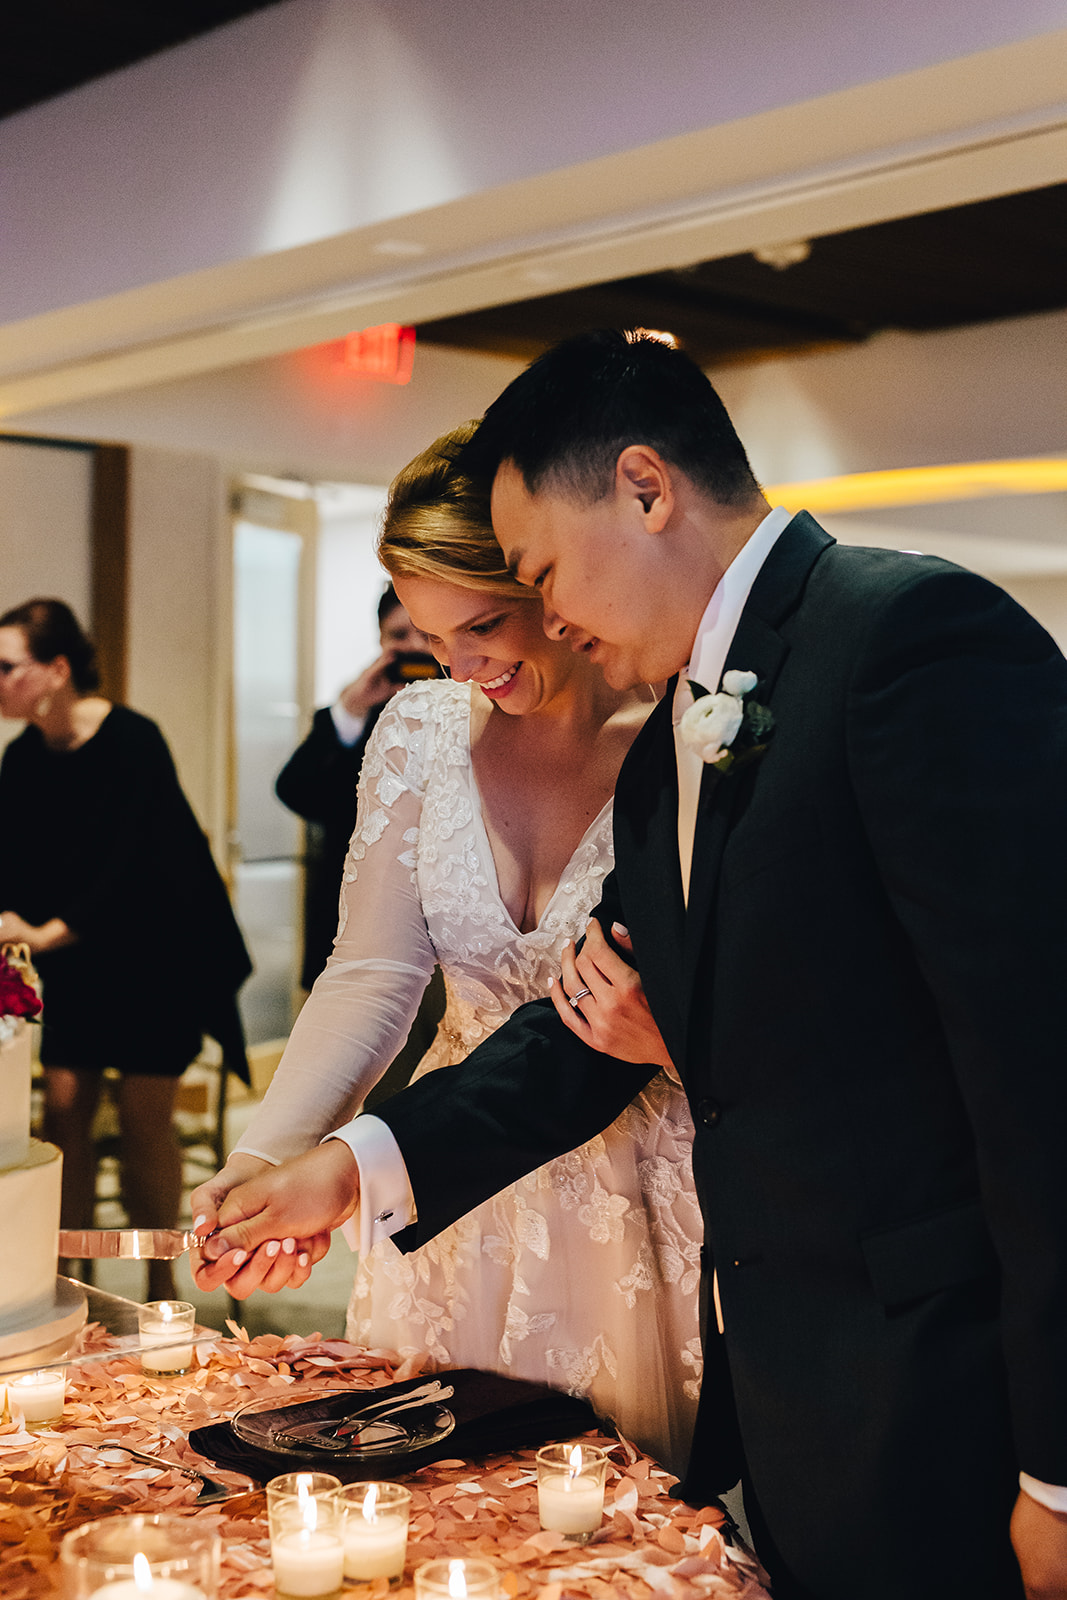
(593, 1254)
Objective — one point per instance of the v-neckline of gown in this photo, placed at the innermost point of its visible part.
(487, 845)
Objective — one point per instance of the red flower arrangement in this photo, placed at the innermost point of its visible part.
(18, 998)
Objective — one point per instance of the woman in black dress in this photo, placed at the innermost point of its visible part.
(109, 879)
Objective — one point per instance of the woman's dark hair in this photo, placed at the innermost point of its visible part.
(389, 602)
(564, 421)
(52, 630)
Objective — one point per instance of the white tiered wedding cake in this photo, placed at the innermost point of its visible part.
(39, 1313)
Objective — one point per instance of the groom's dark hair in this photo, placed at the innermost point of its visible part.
(565, 419)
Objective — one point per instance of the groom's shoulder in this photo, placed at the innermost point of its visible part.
(866, 593)
(868, 578)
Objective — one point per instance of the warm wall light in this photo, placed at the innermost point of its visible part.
(912, 486)
(386, 352)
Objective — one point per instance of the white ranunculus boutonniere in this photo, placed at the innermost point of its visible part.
(727, 729)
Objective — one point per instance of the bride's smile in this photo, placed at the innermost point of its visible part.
(492, 640)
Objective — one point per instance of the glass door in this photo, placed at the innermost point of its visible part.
(273, 549)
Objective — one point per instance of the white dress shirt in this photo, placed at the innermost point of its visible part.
(714, 636)
(348, 727)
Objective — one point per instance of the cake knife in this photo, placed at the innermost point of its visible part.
(127, 1244)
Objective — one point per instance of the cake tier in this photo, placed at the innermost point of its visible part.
(15, 1074)
(51, 1337)
(29, 1203)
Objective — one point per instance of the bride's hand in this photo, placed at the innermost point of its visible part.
(274, 1265)
(613, 1014)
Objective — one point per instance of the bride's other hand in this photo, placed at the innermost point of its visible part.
(613, 1016)
(277, 1264)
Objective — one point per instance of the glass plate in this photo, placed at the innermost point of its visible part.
(259, 1423)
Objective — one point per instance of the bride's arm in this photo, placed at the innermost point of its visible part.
(362, 1006)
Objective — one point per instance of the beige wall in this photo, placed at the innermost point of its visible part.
(179, 608)
(45, 496)
(1044, 598)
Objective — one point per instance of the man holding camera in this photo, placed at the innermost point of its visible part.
(320, 779)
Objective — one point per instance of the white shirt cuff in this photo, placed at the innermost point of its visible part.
(1046, 1494)
(386, 1203)
(349, 728)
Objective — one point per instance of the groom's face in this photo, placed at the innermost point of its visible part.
(603, 581)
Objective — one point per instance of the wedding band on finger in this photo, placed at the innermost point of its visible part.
(574, 998)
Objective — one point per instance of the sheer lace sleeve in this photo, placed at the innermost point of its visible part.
(361, 1008)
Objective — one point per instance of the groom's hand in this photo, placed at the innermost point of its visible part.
(612, 1015)
(303, 1199)
(1039, 1536)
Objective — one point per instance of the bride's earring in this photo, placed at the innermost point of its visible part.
(43, 706)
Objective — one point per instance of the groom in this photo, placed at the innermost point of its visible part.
(847, 902)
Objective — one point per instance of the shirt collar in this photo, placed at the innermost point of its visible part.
(719, 622)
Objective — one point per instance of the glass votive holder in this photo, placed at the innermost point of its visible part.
(299, 1486)
(131, 1557)
(455, 1579)
(166, 1329)
(306, 1534)
(570, 1489)
(375, 1530)
(39, 1396)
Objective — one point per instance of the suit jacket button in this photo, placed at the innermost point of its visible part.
(709, 1112)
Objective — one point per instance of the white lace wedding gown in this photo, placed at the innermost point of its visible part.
(583, 1274)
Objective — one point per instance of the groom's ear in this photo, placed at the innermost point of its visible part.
(645, 479)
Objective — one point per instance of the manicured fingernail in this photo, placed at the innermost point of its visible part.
(198, 1223)
(273, 1248)
(239, 1256)
(619, 931)
(551, 981)
(302, 1259)
(288, 1245)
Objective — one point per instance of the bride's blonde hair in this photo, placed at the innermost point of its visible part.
(437, 525)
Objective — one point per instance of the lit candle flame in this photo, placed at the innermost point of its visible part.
(142, 1572)
(457, 1580)
(310, 1511)
(303, 1487)
(370, 1505)
(575, 1459)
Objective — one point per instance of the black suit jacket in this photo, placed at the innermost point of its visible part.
(320, 783)
(864, 1001)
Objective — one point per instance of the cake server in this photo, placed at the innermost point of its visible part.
(126, 1244)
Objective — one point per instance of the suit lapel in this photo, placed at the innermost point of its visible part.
(757, 646)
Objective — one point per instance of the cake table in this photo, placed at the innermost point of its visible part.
(651, 1546)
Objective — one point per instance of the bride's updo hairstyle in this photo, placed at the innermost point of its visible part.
(51, 629)
(437, 525)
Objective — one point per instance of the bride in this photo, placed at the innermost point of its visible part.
(482, 838)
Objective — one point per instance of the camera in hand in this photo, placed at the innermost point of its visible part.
(411, 665)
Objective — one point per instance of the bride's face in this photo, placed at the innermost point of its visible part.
(495, 641)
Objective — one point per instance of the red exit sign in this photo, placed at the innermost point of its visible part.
(386, 352)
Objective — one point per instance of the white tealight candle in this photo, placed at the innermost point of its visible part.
(456, 1579)
(144, 1585)
(156, 1589)
(570, 1488)
(376, 1536)
(39, 1396)
(308, 1562)
(161, 1324)
(570, 1505)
